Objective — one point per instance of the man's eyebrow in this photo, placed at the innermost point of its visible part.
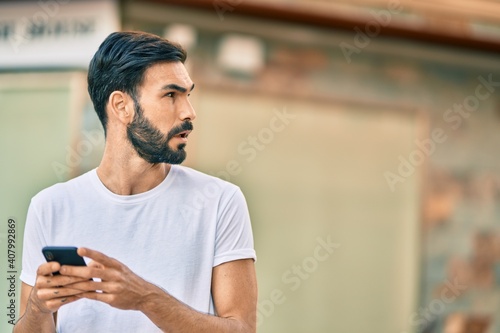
(173, 86)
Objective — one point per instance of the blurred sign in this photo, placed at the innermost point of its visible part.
(54, 33)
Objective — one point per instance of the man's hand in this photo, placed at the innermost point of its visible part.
(53, 291)
(119, 286)
(39, 303)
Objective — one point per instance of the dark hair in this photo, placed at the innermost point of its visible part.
(120, 62)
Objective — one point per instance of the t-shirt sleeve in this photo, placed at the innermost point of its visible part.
(32, 247)
(234, 238)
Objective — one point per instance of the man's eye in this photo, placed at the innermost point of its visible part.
(170, 94)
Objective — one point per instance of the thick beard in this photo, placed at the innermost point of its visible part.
(151, 144)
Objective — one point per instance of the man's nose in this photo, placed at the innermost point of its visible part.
(188, 112)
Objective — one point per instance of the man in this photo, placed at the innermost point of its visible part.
(170, 249)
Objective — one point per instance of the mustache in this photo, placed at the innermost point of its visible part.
(185, 126)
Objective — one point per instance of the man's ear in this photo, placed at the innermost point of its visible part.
(121, 107)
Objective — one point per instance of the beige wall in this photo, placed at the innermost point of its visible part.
(319, 178)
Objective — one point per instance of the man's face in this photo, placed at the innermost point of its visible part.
(163, 114)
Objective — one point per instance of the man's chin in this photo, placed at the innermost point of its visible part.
(178, 157)
(174, 157)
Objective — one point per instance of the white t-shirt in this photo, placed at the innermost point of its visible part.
(172, 236)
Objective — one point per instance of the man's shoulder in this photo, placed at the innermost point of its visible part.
(199, 179)
(63, 190)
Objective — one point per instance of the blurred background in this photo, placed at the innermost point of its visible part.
(363, 133)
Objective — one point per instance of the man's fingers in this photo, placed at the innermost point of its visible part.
(56, 281)
(51, 299)
(103, 297)
(49, 294)
(85, 286)
(48, 268)
(95, 264)
(99, 257)
(54, 304)
(50, 291)
(103, 287)
(89, 272)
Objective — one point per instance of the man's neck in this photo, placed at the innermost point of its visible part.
(130, 176)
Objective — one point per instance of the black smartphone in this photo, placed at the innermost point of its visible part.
(64, 255)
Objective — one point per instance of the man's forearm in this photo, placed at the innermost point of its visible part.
(35, 321)
(173, 316)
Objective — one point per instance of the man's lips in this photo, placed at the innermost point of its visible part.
(183, 134)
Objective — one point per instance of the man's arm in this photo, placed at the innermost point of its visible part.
(234, 291)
